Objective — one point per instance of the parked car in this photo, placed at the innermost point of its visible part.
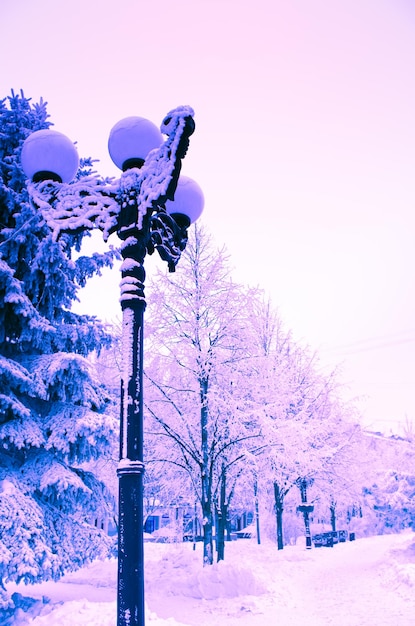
(330, 538)
(320, 540)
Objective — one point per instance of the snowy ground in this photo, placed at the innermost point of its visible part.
(366, 582)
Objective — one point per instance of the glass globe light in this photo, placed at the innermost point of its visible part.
(47, 154)
(188, 202)
(130, 141)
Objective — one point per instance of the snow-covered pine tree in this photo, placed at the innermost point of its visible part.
(54, 413)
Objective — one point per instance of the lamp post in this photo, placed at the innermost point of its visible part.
(305, 509)
(150, 208)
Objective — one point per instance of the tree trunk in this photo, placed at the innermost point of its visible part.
(206, 477)
(333, 516)
(279, 508)
(195, 526)
(207, 533)
(222, 518)
(258, 533)
(220, 533)
(228, 529)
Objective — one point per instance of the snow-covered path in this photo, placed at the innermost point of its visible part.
(358, 584)
(369, 582)
(364, 583)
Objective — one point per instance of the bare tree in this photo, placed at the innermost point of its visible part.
(196, 397)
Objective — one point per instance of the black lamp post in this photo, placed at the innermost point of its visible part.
(149, 208)
(305, 509)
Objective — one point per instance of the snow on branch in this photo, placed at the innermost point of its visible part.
(13, 372)
(84, 204)
(162, 165)
(89, 202)
(22, 432)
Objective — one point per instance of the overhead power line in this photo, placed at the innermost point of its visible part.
(374, 343)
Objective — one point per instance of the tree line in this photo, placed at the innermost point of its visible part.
(238, 415)
(233, 404)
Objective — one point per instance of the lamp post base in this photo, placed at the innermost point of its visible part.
(130, 598)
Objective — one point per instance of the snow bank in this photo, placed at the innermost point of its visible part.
(179, 573)
(399, 573)
(84, 613)
(376, 577)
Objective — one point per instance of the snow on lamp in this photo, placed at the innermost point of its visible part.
(49, 155)
(135, 207)
(188, 202)
(130, 141)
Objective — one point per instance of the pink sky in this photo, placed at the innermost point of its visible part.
(304, 148)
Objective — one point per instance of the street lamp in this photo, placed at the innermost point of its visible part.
(305, 509)
(150, 208)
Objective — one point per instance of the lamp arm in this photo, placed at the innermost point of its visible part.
(167, 237)
(87, 203)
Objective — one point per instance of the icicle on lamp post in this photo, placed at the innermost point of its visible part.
(150, 207)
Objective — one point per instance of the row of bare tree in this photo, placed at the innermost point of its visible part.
(233, 403)
(240, 416)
